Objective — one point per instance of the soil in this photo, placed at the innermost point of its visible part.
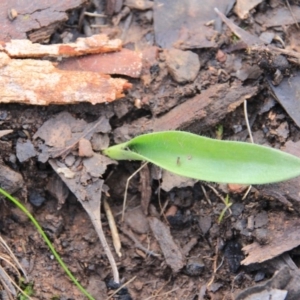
(208, 254)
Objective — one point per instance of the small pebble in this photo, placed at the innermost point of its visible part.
(36, 199)
(262, 236)
(194, 267)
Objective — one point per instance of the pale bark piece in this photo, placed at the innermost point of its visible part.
(284, 236)
(243, 7)
(125, 62)
(196, 114)
(99, 43)
(11, 181)
(38, 82)
(42, 16)
(172, 253)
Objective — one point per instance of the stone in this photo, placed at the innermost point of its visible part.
(183, 66)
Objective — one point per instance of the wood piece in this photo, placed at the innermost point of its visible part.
(284, 236)
(98, 43)
(38, 82)
(198, 113)
(34, 15)
(125, 62)
(145, 188)
(172, 253)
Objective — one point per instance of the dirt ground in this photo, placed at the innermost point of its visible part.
(194, 77)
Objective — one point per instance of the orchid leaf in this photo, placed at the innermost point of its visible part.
(207, 159)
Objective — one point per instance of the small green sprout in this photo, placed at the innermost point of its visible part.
(227, 206)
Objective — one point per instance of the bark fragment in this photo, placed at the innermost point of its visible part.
(38, 82)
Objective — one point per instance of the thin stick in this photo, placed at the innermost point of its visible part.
(126, 188)
(113, 228)
(292, 14)
(95, 15)
(137, 243)
(7, 248)
(205, 194)
(247, 121)
(123, 285)
(215, 264)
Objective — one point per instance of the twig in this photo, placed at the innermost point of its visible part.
(113, 228)
(205, 194)
(247, 121)
(95, 15)
(215, 264)
(123, 285)
(292, 14)
(137, 244)
(126, 188)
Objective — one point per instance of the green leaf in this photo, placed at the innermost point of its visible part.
(208, 159)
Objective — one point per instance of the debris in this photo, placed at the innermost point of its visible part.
(100, 141)
(145, 188)
(5, 132)
(287, 95)
(234, 255)
(113, 228)
(137, 221)
(171, 180)
(38, 82)
(243, 7)
(139, 4)
(88, 196)
(36, 198)
(62, 133)
(24, 150)
(11, 181)
(281, 286)
(245, 36)
(283, 191)
(194, 266)
(267, 37)
(124, 62)
(172, 253)
(184, 23)
(85, 148)
(37, 19)
(205, 223)
(200, 112)
(283, 235)
(98, 43)
(57, 188)
(182, 65)
(96, 165)
(279, 16)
